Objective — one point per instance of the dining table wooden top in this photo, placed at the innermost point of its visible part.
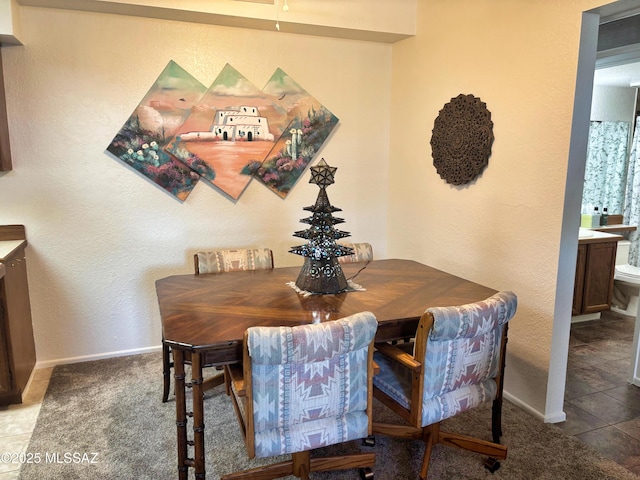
(212, 311)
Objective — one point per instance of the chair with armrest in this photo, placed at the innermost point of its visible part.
(455, 364)
(211, 262)
(362, 252)
(301, 388)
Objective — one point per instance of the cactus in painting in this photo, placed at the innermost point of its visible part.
(294, 144)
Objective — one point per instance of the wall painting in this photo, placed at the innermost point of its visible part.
(226, 134)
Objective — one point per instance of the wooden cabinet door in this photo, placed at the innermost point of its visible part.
(6, 385)
(578, 288)
(598, 279)
(20, 330)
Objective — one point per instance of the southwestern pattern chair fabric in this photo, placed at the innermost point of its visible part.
(217, 261)
(455, 364)
(362, 252)
(302, 388)
(230, 260)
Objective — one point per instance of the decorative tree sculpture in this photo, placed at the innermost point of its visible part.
(321, 272)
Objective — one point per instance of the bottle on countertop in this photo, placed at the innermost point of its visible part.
(604, 218)
(595, 218)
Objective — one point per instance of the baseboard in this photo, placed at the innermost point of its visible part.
(585, 318)
(98, 356)
(551, 418)
(28, 385)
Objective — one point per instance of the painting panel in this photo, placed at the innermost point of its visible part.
(308, 125)
(141, 142)
(233, 125)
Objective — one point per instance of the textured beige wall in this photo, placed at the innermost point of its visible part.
(503, 230)
(99, 233)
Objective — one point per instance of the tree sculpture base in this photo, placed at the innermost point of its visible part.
(322, 276)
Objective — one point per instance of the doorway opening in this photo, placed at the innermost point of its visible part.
(607, 41)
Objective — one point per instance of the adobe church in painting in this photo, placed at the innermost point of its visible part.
(243, 124)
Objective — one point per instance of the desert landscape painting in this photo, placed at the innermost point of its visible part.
(226, 134)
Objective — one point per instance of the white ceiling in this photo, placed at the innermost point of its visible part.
(618, 76)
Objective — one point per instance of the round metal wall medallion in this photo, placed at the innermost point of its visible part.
(461, 139)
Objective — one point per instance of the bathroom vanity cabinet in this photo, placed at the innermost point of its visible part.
(595, 269)
(17, 347)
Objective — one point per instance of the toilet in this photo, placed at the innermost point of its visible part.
(626, 282)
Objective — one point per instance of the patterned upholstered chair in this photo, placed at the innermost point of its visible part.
(301, 388)
(217, 261)
(456, 364)
(362, 252)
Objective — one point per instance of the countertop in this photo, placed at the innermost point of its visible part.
(616, 228)
(587, 235)
(7, 247)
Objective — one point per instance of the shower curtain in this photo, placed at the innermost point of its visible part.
(632, 203)
(606, 168)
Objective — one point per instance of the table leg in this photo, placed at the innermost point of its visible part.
(181, 413)
(198, 415)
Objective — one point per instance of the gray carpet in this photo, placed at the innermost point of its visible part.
(113, 408)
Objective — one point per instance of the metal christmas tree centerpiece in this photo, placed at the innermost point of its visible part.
(321, 272)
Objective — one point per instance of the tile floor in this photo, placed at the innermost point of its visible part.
(17, 423)
(602, 409)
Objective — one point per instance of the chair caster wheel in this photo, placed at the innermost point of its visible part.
(370, 441)
(492, 464)
(366, 473)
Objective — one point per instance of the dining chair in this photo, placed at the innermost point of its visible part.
(301, 388)
(211, 262)
(362, 252)
(455, 364)
(231, 260)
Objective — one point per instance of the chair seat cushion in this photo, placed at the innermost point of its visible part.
(457, 401)
(310, 435)
(395, 381)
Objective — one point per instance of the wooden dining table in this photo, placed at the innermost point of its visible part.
(204, 318)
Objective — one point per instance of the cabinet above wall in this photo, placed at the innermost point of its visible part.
(9, 35)
(9, 23)
(387, 22)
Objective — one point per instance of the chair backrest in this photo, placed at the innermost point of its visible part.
(362, 252)
(230, 260)
(462, 355)
(308, 386)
